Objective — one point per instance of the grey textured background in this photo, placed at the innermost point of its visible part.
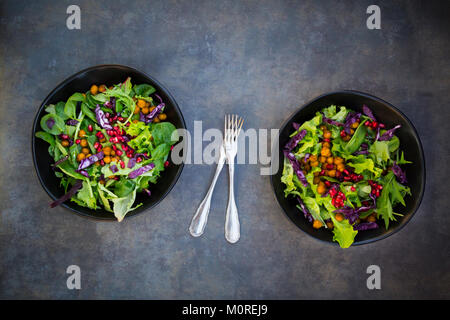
(261, 59)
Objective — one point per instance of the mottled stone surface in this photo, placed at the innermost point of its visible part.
(261, 59)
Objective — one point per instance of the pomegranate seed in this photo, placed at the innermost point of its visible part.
(77, 141)
(139, 159)
(122, 164)
(346, 172)
(166, 164)
(347, 178)
(373, 192)
(343, 134)
(116, 128)
(326, 140)
(119, 152)
(353, 188)
(171, 148)
(377, 193)
(330, 166)
(90, 128)
(124, 147)
(128, 124)
(120, 119)
(96, 144)
(367, 123)
(380, 187)
(64, 137)
(110, 132)
(102, 162)
(114, 118)
(107, 114)
(374, 124)
(381, 125)
(338, 174)
(327, 183)
(114, 147)
(322, 172)
(129, 155)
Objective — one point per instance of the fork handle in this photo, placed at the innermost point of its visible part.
(232, 226)
(200, 218)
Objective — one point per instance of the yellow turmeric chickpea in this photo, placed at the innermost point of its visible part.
(113, 159)
(94, 89)
(162, 116)
(371, 218)
(346, 138)
(102, 88)
(136, 110)
(107, 151)
(317, 224)
(113, 153)
(101, 181)
(80, 157)
(82, 133)
(65, 143)
(330, 225)
(340, 167)
(88, 155)
(85, 150)
(315, 164)
(352, 131)
(355, 125)
(156, 120)
(321, 188)
(97, 163)
(327, 134)
(135, 121)
(151, 109)
(84, 143)
(141, 103)
(323, 152)
(107, 159)
(145, 110)
(316, 180)
(326, 145)
(332, 173)
(330, 160)
(313, 158)
(339, 217)
(338, 160)
(323, 159)
(323, 127)
(147, 104)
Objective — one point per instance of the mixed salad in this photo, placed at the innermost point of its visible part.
(108, 144)
(343, 168)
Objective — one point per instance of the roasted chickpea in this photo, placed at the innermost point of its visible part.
(151, 109)
(135, 121)
(355, 125)
(321, 188)
(80, 157)
(313, 158)
(107, 159)
(145, 110)
(102, 88)
(141, 103)
(323, 127)
(162, 116)
(113, 153)
(316, 180)
(326, 145)
(147, 104)
(65, 143)
(352, 131)
(346, 138)
(113, 159)
(102, 140)
(331, 173)
(339, 217)
(94, 89)
(84, 143)
(327, 134)
(307, 167)
(340, 167)
(323, 159)
(101, 181)
(316, 174)
(82, 133)
(107, 151)
(330, 225)
(85, 150)
(338, 160)
(330, 160)
(315, 164)
(317, 224)
(372, 218)
(136, 110)
(156, 120)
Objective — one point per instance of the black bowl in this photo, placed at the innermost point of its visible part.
(409, 143)
(81, 82)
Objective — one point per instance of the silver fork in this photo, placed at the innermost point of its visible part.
(233, 125)
(200, 218)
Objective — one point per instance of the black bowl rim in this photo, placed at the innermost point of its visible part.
(422, 190)
(58, 87)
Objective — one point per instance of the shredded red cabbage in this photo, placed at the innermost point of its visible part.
(399, 173)
(113, 168)
(351, 118)
(295, 140)
(389, 133)
(101, 118)
(331, 121)
(68, 195)
(72, 122)
(50, 122)
(296, 166)
(91, 160)
(306, 213)
(365, 226)
(136, 173)
(368, 112)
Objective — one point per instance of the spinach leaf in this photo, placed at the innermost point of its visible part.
(71, 105)
(356, 140)
(162, 133)
(144, 90)
(161, 152)
(85, 109)
(46, 137)
(52, 124)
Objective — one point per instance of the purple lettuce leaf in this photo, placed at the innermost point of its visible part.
(296, 126)
(84, 173)
(399, 173)
(59, 162)
(331, 121)
(136, 173)
(351, 118)
(131, 162)
(113, 168)
(293, 142)
(389, 133)
(368, 112)
(364, 149)
(101, 118)
(78, 184)
(90, 160)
